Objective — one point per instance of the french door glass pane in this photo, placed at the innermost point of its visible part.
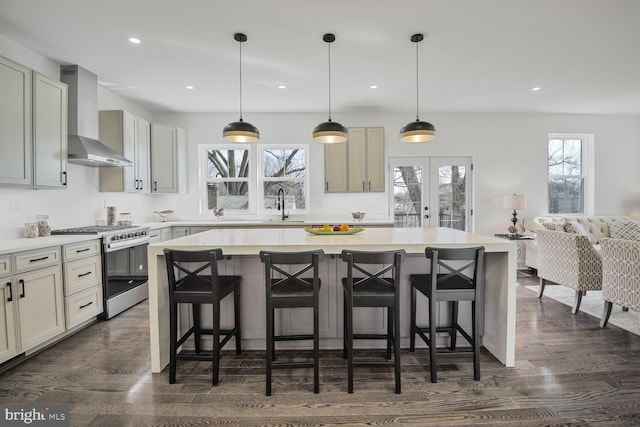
(452, 197)
(407, 196)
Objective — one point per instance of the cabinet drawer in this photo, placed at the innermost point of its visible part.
(82, 274)
(83, 306)
(30, 260)
(5, 265)
(81, 250)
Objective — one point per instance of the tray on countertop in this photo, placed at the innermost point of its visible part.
(318, 232)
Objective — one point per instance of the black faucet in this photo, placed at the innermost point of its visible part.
(281, 191)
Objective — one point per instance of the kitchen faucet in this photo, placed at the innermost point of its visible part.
(281, 191)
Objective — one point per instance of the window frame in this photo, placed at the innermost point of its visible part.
(203, 180)
(587, 171)
(261, 178)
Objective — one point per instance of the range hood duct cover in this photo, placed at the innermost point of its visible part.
(84, 147)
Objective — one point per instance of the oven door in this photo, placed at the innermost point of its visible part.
(125, 278)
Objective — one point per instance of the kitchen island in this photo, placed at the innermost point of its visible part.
(242, 247)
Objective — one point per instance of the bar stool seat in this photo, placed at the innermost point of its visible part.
(292, 289)
(454, 275)
(194, 279)
(373, 280)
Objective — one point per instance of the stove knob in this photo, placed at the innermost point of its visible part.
(113, 238)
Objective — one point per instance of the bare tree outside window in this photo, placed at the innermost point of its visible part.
(228, 179)
(286, 169)
(565, 172)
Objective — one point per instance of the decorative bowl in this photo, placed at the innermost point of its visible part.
(358, 215)
(164, 214)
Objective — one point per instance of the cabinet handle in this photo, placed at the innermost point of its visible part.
(84, 274)
(39, 259)
(326, 186)
(363, 186)
(141, 185)
(82, 250)
(155, 185)
(22, 294)
(10, 297)
(64, 178)
(86, 305)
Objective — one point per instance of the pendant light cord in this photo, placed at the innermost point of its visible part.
(240, 81)
(417, 84)
(329, 44)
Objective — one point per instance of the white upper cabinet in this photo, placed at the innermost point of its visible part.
(130, 136)
(15, 124)
(49, 132)
(357, 165)
(168, 159)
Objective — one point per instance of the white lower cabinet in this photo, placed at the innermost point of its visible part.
(40, 306)
(82, 282)
(8, 342)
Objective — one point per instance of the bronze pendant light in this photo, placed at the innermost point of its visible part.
(241, 131)
(329, 132)
(417, 131)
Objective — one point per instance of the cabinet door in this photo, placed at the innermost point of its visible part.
(15, 124)
(335, 167)
(49, 132)
(129, 152)
(8, 343)
(40, 306)
(141, 162)
(164, 155)
(357, 159)
(375, 159)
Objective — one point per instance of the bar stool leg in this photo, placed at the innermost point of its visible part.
(432, 339)
(475, 319)
(173, 337)
(412, 331)
(349, 338)
(390, 336)
(316, 345)
(216, 343)
(396, 346)
(197, 335)
(270, 348)
(236, 320)
(454, 325)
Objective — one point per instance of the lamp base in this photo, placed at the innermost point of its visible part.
(514, 220)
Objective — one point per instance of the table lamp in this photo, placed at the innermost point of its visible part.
(516, 202)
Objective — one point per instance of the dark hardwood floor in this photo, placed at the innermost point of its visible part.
(568, 372)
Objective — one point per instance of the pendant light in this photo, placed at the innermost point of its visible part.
(241, 131)
(417, 131)
(329, 132)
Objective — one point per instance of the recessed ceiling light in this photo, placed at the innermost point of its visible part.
(536, 88)
(190, 87)
(373, 87)
(282, 87)
(134, 40)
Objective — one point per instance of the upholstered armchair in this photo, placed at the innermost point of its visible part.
(620, 275)
(568, 259)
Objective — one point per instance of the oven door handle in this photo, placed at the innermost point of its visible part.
(112, 246)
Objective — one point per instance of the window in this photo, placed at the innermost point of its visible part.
(232, 179)
(284, 167)
(570, 174)
(226, 173)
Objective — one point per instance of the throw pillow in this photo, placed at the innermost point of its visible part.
(624, 229)
(575, 227)
(554, 226)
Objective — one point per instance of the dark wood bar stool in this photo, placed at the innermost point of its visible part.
(454, 275)
(292, 289)
(194, 279)
(373, 280)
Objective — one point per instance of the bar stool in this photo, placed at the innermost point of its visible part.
(455, 275)
(373, 280)
(194, 279)
(286, 289)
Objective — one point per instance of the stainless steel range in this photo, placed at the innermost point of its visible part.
(124, 265)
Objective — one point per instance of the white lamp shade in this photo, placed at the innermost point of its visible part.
(515, 201)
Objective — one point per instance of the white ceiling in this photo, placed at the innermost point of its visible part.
(477, 56)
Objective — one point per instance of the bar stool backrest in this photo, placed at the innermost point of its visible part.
(457, 268)
(194, 273)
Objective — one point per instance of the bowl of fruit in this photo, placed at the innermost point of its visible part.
(334, 229)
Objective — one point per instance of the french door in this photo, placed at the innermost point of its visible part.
(431, 192)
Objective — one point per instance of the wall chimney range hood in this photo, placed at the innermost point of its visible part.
(84, 147)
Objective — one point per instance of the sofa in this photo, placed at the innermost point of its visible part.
(565, 250)
(620, 275)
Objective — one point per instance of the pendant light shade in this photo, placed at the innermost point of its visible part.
(417, 131)
(240, 131)
(330, 132)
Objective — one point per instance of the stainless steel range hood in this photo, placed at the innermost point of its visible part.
(84, 147)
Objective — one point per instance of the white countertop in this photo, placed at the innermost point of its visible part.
(251, 241)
